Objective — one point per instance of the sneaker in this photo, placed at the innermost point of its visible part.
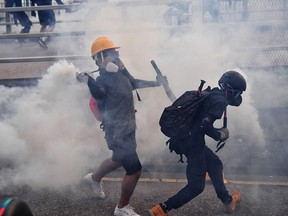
(125, 211)
(42, 44)
(157, 210)
(26, 29)
(235, 200)
(96, 186)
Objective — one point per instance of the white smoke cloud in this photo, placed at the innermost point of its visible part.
(52, 138)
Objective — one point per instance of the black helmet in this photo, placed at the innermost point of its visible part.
(234, 84)
(232, 80)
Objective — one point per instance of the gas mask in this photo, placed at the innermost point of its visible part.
(234, 97)
(109, 60)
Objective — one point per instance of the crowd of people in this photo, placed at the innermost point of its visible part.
(46, 18)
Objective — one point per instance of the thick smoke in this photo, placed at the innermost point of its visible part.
(49, 135)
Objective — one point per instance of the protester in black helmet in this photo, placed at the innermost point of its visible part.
(200, 158)
(113, 92)
(234, 84)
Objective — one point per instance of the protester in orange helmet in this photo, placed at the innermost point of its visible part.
(112, 90)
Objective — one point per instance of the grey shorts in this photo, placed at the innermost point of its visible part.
(124, 152)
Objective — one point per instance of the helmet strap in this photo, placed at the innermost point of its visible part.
(102, 56)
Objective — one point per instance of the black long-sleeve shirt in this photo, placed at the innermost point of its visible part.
(212, 108)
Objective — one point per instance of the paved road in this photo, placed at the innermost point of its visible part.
(261, 196)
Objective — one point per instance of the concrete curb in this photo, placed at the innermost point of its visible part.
(175, 180)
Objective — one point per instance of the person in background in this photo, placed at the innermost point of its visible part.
(20, 16)
(200, 158)
(211, 8)
(46, 18)
(112, 90)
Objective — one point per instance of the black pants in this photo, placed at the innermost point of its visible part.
(21, 16)
(46, 17)
(200, 160)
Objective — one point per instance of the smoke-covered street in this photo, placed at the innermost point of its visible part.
(50, 139)
(261, 196)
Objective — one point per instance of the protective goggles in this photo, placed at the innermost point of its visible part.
(100, 56)
(234, 93)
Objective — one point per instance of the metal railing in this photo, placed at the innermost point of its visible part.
(43, 58)
(37, 8)
(9, 10)
(24, 81)
(42, 34)
(268, 44)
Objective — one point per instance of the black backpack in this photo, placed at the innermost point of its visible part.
(176, 119)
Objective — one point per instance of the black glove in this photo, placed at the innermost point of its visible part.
(224, 134)
(33, 13)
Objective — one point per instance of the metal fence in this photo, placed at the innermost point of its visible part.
(253, 10)
(266, 20)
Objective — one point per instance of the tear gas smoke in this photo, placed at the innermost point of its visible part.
(49, 134)
(51, 137)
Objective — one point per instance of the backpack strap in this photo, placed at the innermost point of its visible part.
(128, 75)
(168, 142)
(181, 159)
(138, 96)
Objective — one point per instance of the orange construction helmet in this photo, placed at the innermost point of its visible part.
(102, 43)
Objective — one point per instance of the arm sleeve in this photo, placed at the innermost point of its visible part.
(96, 90)
(138, 83)
(145, 83)
(214, 112)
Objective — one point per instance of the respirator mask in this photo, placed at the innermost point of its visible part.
(234, 97)
(109, 60)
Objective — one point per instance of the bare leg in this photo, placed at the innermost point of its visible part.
(105, 167)
(128, 185)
